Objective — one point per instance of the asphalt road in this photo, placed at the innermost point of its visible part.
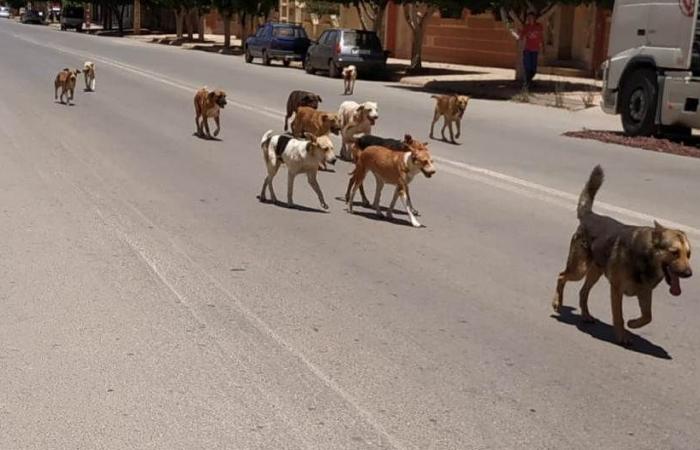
(150, 301)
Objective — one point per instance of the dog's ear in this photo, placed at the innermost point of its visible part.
(318, 98)
(77, 71)
(211, 95)
(659, 227)
(407, 138)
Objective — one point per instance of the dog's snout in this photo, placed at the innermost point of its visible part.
(332, 161)
(687, 273)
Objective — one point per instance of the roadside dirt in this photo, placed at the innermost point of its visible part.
(689, 146)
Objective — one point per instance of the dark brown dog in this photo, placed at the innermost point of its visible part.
(633, 259)
(207, 105)
(452, 108)
(297, 99)
(65, 80)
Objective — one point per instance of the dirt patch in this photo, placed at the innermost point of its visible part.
(687, 146)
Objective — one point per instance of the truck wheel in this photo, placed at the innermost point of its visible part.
(265, 58)
(639, 99)
(248, 56)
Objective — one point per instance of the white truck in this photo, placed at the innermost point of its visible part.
(652, 77)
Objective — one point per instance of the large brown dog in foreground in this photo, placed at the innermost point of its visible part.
(207, 105)
(634, 259)
(65, 80)
(392, 167)
(452, 108)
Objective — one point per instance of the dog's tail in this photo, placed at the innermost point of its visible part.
(267, 137)
(585, 201)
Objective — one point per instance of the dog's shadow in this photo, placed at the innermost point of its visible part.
(294, 207)
(87, 90)
(372, 215)
(58, 102)
(446, 141)
(605, 332)
(204, 137)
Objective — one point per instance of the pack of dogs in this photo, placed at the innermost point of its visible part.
(634, 259)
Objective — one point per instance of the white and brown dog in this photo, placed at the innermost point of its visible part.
(393, 167)
(349, 77)
(300, 156)
(355, 118)
(89, 74)
(65, 80)
(452, 108)
(208, 105)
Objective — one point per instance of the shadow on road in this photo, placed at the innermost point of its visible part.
(293, 207)
(606, 332)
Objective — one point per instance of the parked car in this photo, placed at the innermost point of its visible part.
(337, 48)
(281, 41)
(32, 16)
(4, 12)
(72, 17)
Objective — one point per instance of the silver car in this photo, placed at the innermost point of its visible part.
(4, 12)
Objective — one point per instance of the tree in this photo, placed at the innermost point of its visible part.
(116, 9)
(16, 4)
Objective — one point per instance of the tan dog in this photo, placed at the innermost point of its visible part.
(393, 167)
(634, 259)
(208, 105)
(452, 108)
(318, 123)
(349, 78)
(65, 80)
(89, 74)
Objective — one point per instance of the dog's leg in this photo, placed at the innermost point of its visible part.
(621, 335)
(576, 268)
(444, 126)
(436, 116)
(218, 125)
(452, 133)
(378, 195)
(93, 81)
(311, 177)
(390, 212)
(198, 124)
(55, 92)
(645, 307)
(592, 277)
(458, 124)
(87, 81)
(205, 122)
(410, 202)
(365, 200)
(286, 122)
(271, 174)
(402, 194)
(290, 188)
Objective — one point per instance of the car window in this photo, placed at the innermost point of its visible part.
(322, 38)
(331, 38)
(260, 32)
(362, 39)
(289, 32)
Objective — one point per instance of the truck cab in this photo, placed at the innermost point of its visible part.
(652, 76)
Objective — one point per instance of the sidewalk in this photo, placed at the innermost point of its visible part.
(492, 83)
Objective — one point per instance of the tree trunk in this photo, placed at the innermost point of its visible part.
(179, 21)
(417, 15)
(189, 26)
(200, 26)
(227, 30)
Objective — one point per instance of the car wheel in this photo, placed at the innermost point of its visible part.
(286, 62)
(638, 103)
(79, 28)
(307, 65)
(248, 56)
(333, 71)
(266, 59)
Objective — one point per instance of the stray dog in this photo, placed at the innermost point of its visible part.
(297, 99)
(355, 118)
(208, 104)
(300, 156)
(451, 107)
(66, 81)
(392, 167)
(634, 260)
(89, 73)
(318, 123)
(349, 77)
(368, 140)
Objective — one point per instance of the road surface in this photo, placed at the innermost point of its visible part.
(150, 301)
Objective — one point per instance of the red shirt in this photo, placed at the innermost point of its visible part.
(534, 36)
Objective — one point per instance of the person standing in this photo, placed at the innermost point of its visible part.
(532, 35)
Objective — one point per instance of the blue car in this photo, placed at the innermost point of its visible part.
(285, 42)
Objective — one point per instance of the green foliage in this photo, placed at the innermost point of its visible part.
(323, 7)
(17, 4)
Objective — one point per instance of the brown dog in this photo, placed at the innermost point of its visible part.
(452, 108)
(297, 99)
(207, 105)
(318, 123)
(633, 259)
(65, 80)
(392, 167)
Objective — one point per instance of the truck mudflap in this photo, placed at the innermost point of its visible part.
(608, 101)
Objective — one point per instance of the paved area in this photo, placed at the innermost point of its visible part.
(150, 300)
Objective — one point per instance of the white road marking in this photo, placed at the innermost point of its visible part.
(464, 170)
